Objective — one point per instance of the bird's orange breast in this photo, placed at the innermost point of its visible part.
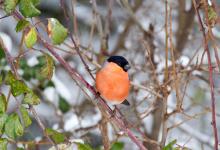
(112, 82)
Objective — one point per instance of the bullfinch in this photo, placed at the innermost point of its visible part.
(112, 80)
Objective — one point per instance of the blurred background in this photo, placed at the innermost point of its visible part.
(170, 92)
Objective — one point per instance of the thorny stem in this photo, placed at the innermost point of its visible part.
(206, 48)
(215, 49)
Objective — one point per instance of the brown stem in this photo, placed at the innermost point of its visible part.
(103, 126)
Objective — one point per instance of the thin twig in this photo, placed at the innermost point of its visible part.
(37, 118)
(75, 23)
(9, 58)
(176, 79)
(4, 16)
(164, 107)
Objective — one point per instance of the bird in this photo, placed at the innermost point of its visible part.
(112, 80)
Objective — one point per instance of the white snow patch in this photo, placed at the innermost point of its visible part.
(71, 123)
(6, 40)
(196, 72)
(121, 28)
(170, 102)
(184, 61)
(61, 88)
(50, 93)
(32, 61)
(55, 126)
(88, 121)
(162, 65)
(38, 138)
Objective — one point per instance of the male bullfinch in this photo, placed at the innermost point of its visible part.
(112, 81)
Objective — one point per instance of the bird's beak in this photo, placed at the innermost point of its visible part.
(127, 67)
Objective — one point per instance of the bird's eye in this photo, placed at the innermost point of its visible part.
(127, 67)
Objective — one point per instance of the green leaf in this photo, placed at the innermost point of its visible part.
(13, 127)
(1, 79)
(41, 71)
(41, 60)
(47, 83)
(55, 135)
(28, 9)
(2, 53)
(3, 103)
(19, 148)
(31, 98)
(21, 25)
(212, 15)
(30, 38)
(170, 145)
(28, 71)
(31, 145)
(3, 144)
(57, 32)
(9, 5)
(82, 146)
(47, 69)
(10, 78)
(25, 117)
(117, 146)
(35, 2)
(64, 106)
(17, 86)
(3, 118)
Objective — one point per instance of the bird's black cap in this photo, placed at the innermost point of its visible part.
(121, 61)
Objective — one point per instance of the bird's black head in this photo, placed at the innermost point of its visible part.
(121, 61)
